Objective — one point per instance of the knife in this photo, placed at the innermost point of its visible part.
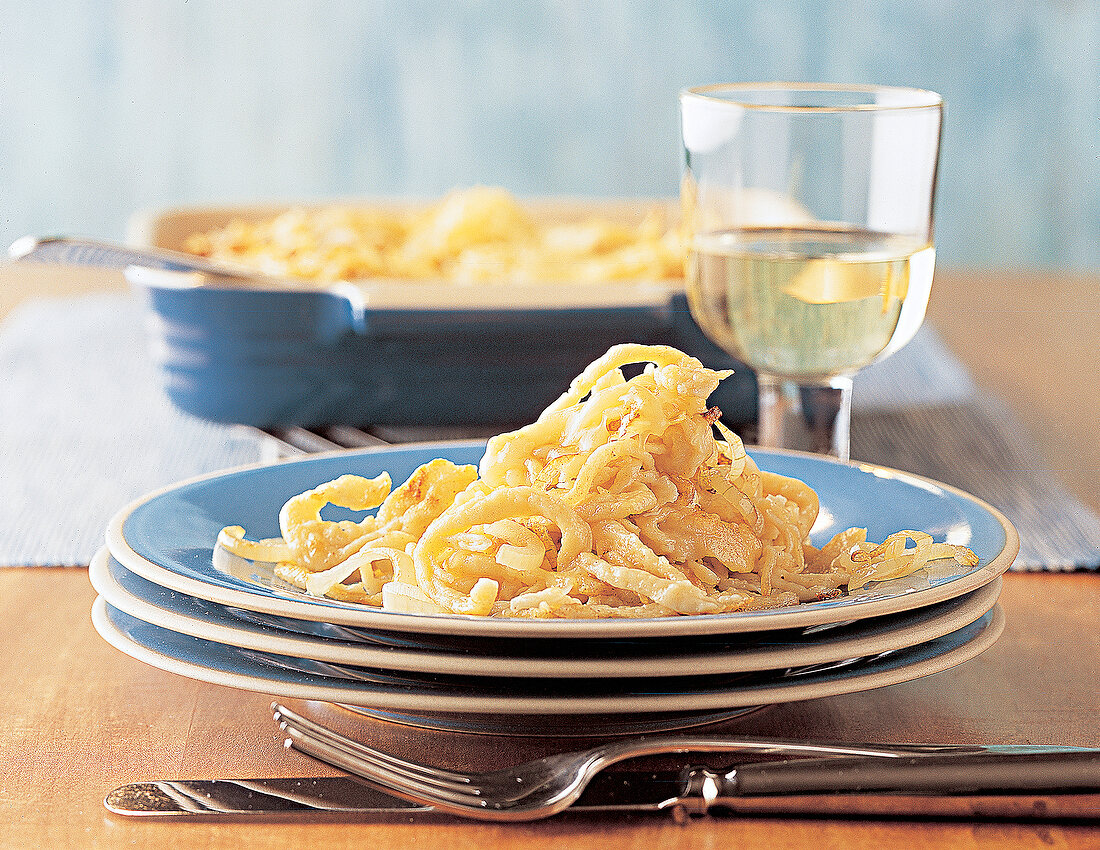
(682, 793)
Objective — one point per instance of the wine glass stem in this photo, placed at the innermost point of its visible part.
(812, 417)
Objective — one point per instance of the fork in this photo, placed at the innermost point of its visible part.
(549, 785)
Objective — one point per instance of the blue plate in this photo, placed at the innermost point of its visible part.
(472, 656)
(416, 695)
(168, 538)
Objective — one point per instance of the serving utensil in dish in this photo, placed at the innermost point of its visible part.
(72, 251)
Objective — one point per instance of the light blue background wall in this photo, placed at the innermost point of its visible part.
(110, 107)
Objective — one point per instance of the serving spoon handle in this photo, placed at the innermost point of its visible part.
(74, 251)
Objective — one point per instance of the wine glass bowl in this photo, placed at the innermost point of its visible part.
(808, 209)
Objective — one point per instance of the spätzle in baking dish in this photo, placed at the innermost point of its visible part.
(620, 500)
(477, 235)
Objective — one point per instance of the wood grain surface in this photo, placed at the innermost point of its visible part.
(1031, 339)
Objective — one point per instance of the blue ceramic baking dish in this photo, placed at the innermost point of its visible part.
(400, 352)
(316, 357)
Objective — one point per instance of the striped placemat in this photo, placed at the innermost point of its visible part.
(978, 446)
(85, 429)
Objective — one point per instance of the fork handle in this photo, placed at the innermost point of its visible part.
(1057, 772)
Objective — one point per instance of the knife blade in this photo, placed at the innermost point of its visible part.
(613, 791)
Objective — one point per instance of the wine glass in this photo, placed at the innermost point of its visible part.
(808, 210)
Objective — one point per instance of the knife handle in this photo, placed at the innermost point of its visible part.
(1056, 772)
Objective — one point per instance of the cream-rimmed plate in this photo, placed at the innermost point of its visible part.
(168, 538)
(704, 655)
(413, 695)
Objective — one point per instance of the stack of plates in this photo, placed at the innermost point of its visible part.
(166, 598)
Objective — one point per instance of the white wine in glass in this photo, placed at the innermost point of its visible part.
(809, 303)
(810, 255)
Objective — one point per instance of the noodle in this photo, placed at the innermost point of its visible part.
(618, 501)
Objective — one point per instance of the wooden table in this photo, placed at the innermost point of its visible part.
(79, 717)
(1032, 340)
